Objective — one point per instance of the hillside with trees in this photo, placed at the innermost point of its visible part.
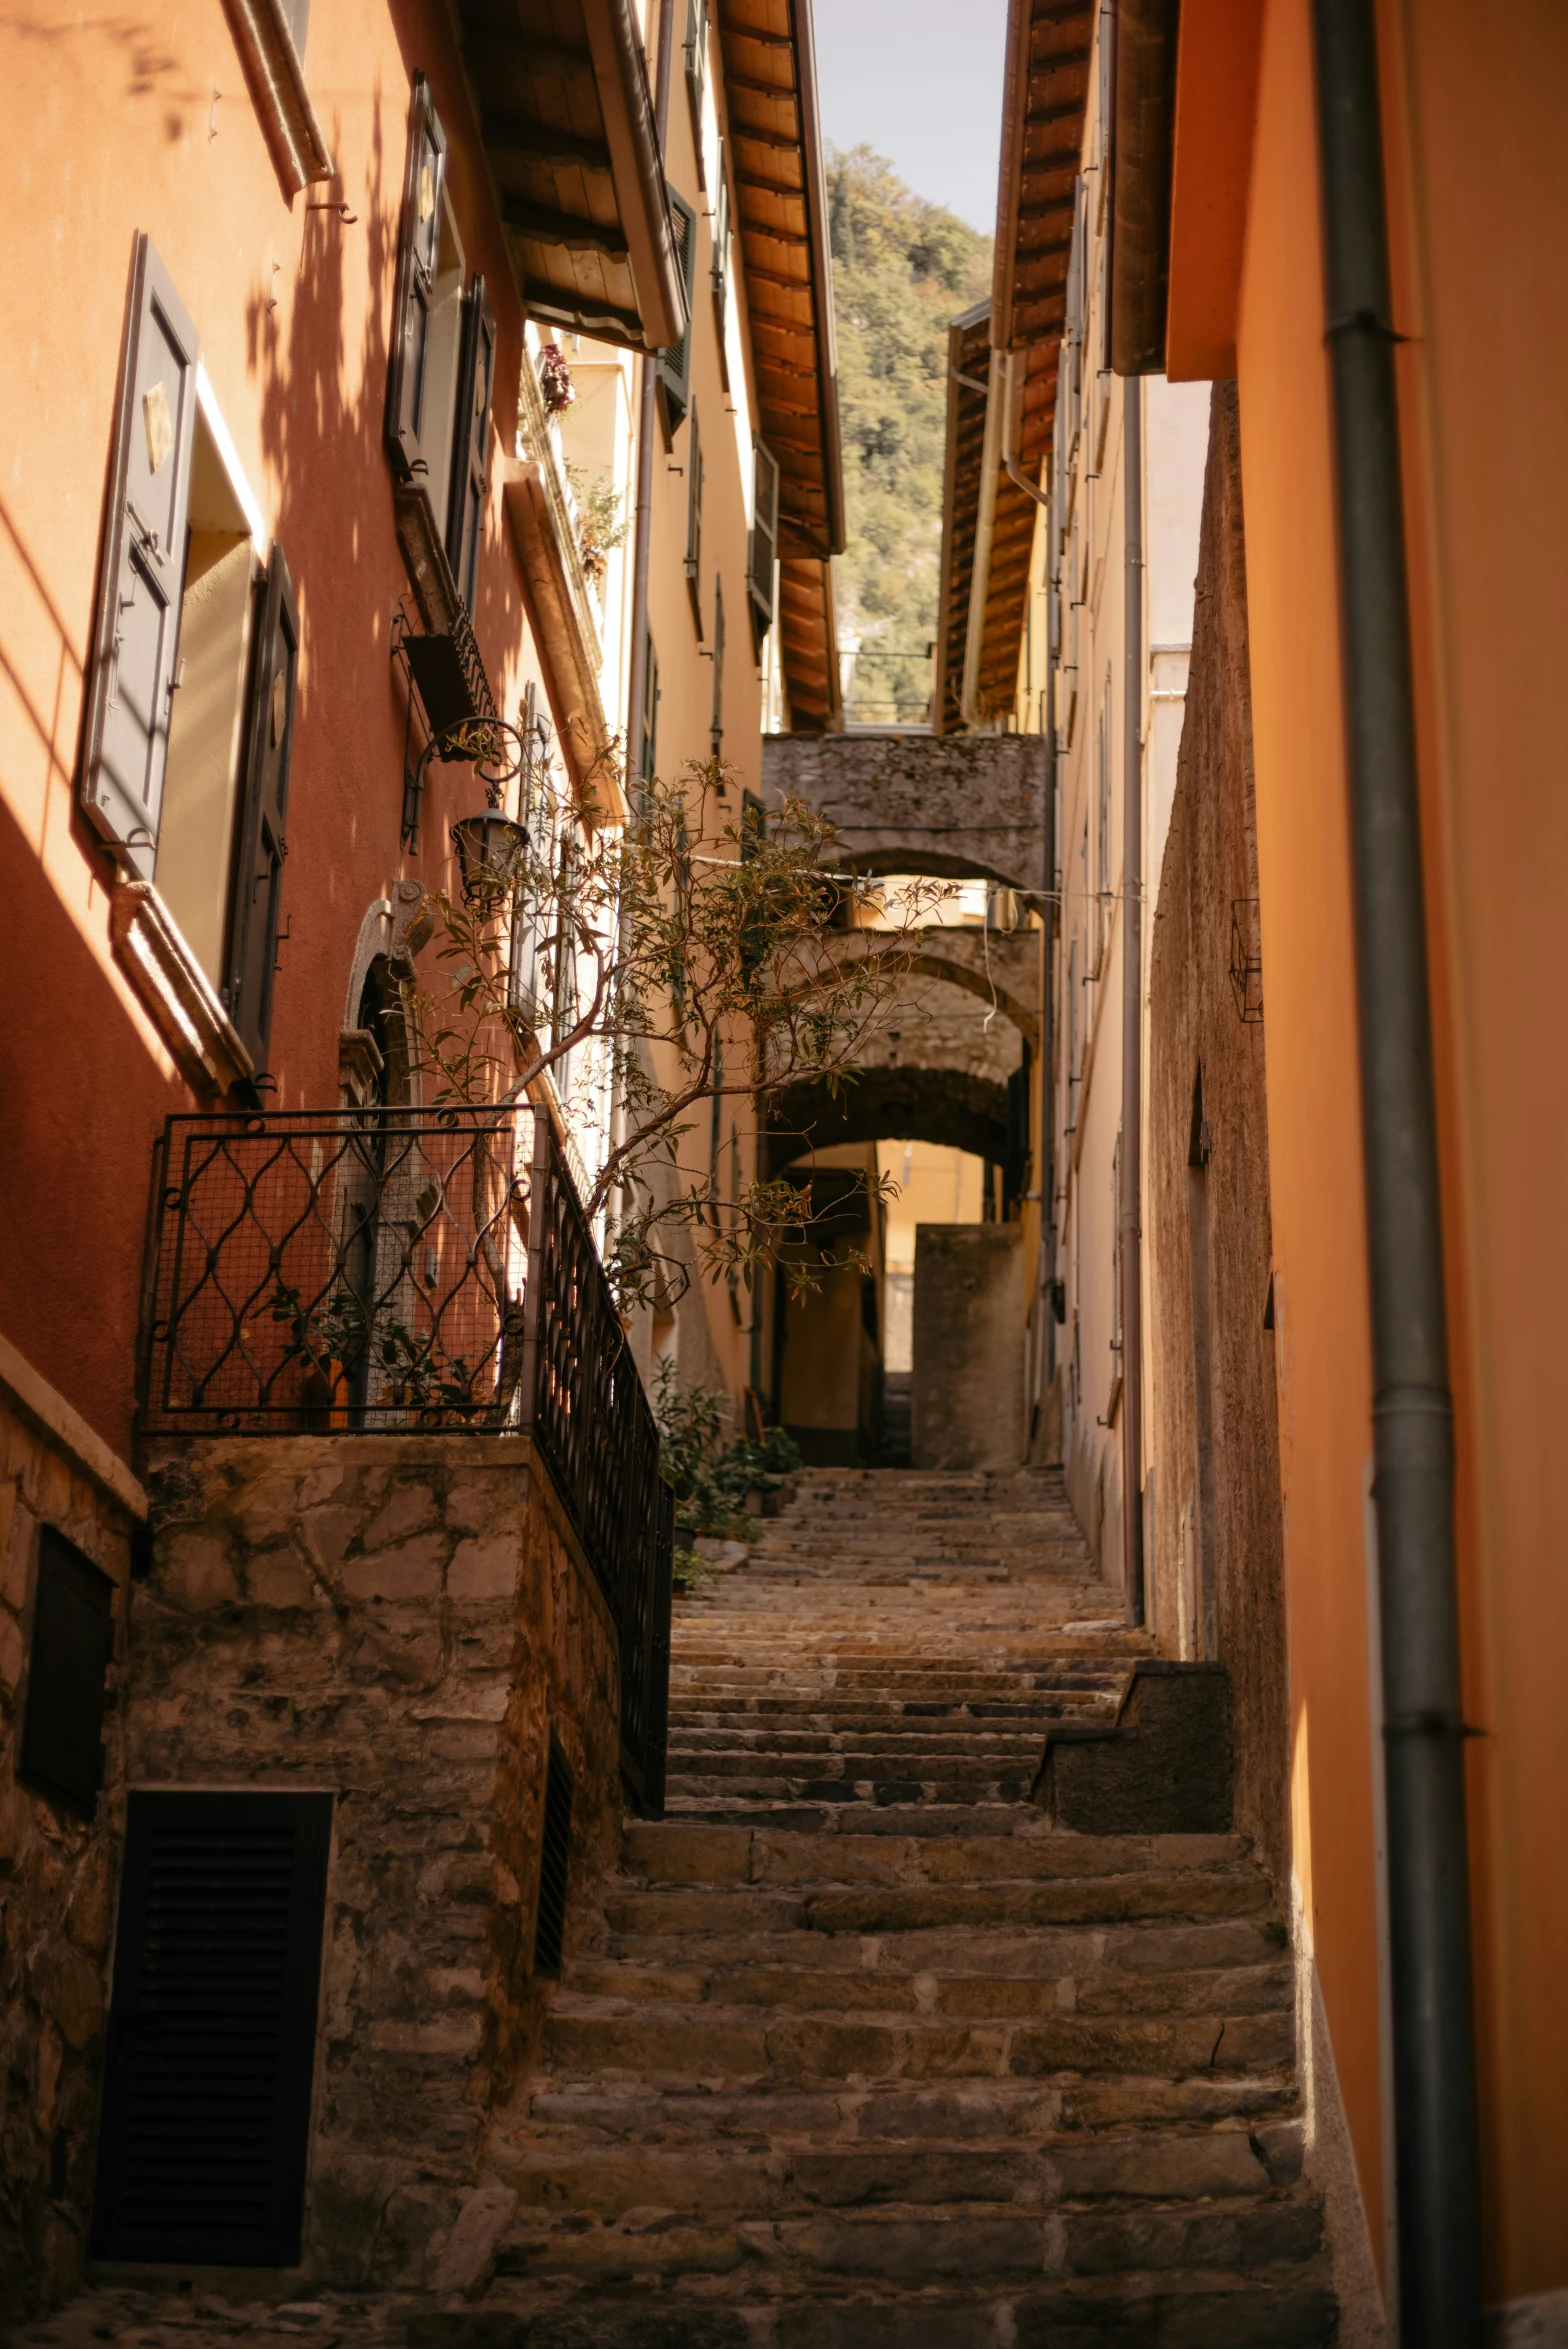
(902, 270)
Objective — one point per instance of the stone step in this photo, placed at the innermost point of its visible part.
(583, 2035)
(897, 1908)
(1160, 2310)
(891, 1987)
(1122, 1958)
(907, 2245)
(919, 2112)
(670, 1852)
(1160, 2167)
(831, 1786)
(903, 1737)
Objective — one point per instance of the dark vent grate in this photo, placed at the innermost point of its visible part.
(554, 1860)
(212, 2030)
(73, 1642)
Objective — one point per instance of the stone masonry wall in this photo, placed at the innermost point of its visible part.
(55, 1898)
(401, 1620)
(923, 803)
(1209, 880)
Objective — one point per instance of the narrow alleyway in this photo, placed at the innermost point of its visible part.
(864, 2052)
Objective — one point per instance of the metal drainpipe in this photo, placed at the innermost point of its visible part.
(1435, 2133)
(637, 680)
(1132, 1005)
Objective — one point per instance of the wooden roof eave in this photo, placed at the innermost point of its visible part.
(770, 71)
(593, 44)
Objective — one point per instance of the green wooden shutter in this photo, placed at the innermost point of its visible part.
(675, 359)
(763, 551)
(137, 623)
(694, 519)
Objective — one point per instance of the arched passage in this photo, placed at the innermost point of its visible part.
(947, 1106)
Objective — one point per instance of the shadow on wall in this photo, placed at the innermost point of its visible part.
(71, 1295)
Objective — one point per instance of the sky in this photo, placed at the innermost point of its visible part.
(892, 73)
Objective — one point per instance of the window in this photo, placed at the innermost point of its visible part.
(696, 47)
(536, 813)
(442, 373)
(196, 656)
(720, 272)
(650, 714)
(675, 361)
(212, 2030)
(73, 1643)
(1102, 824)
(716, 729)
(762, 554)
(471, 440)
(694, 519)
(555, 1856)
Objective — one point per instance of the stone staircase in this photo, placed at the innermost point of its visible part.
(860, 2054)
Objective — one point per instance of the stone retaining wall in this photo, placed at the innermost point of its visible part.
(400, 1621)
(56, 1873)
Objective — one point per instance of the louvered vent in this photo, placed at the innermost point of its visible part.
(212, 2029)
(554, 1860)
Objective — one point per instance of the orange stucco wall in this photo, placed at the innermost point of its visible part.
(116, 129)
(1478, 200)
(1479, 177)
(1322, 1342)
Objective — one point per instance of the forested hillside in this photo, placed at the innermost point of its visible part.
(902, 269)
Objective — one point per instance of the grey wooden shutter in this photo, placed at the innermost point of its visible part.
(694, 519)
(262, 844)
(419, 249)
(137, 623)
(212, 2029)
(471, 440)
(675, 359)
(764, 538)
(719, 273)
(73, 1640)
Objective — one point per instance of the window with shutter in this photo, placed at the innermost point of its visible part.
(262, 847)
(675, 361)
(555, 1855)
(650, 715)
(136, 627)
(73, 1642)
(471, 440)
(409, 404)
(212, 2029)
(717, 729)
(697, 76)
(762, 554)
(536, 813)
(720, 272)
(694, 519)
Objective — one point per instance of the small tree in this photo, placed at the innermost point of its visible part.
(700, 956)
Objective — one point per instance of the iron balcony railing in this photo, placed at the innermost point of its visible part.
(393, 1271)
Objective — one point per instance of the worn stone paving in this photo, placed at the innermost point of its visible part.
(856, 2049)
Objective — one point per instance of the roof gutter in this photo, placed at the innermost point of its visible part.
(1435, 2127)
(1143, 143)
(999, 394)
(814, 179)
